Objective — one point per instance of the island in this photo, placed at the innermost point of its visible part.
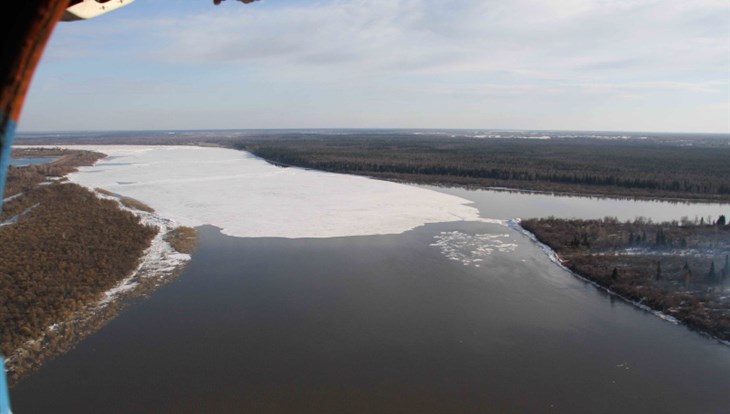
(70, 257)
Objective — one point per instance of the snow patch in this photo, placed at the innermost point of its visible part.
(15, 218)
(12, 197)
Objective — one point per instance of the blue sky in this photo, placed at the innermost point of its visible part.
(639, 65)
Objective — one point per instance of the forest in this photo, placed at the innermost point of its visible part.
(584, 166)
(68, 248)
(634, 165)
(680, 268)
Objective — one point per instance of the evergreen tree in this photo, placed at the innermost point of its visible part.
(721, 221)
(575, 243)
(659, 270)
(661, 238)
(687, 274)
(712, 275)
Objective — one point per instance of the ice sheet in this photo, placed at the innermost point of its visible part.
(248, 197)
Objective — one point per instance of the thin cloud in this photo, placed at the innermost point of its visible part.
(419, 35)
(333, 54)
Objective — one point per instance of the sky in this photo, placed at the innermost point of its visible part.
(602, 65)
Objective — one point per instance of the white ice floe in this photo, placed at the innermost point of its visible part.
(248, 197)
(471, 249)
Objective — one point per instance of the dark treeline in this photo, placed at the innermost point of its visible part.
(685, 166)
(679, 268)
(629, 168)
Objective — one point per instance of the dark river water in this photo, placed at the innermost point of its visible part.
(429, 321)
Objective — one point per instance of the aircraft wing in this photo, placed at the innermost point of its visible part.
(87, 9)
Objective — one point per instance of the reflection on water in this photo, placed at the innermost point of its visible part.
(382, 324)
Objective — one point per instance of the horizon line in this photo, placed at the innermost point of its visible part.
(32, 132)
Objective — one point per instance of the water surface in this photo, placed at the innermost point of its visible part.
(380, 324)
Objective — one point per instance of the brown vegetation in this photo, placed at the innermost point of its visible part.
(58, 259)
(63, 254)
(183, 239)
(681, 269)
(106, 192)
(135, 204)
(128, 202)
(66, 249)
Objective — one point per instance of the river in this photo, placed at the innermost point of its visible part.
(458, 316)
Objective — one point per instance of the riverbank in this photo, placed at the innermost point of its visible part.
(74, 262)
(679, 273)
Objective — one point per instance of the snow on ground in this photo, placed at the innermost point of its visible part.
(15, 218)
(159, 261)
(12, 197)
(638, 251)
(247, 197)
